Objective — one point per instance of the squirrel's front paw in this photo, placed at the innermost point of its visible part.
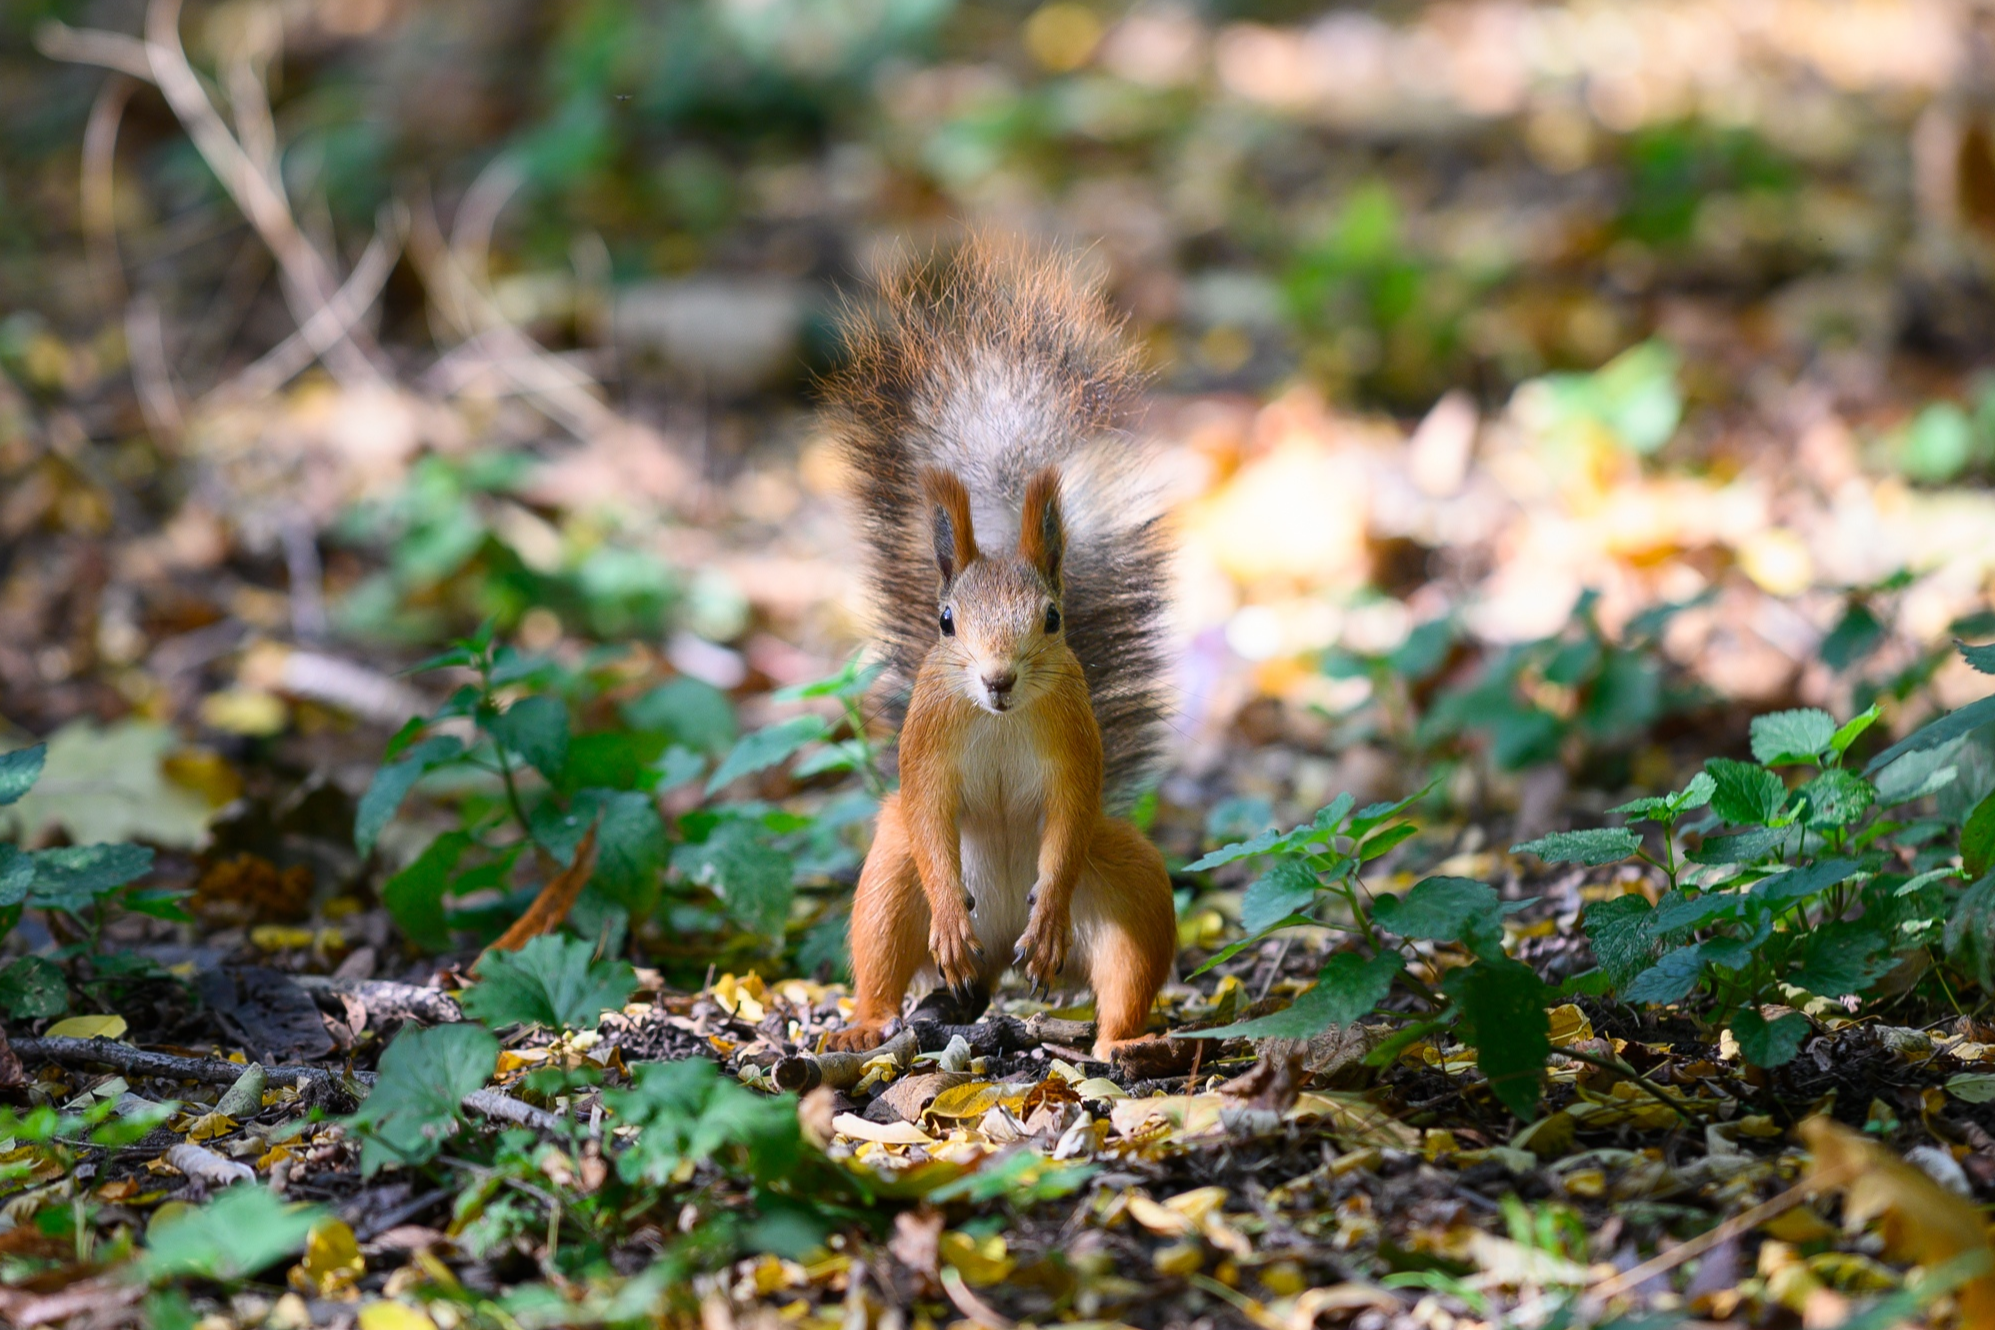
(1042, 949)
(959, 957)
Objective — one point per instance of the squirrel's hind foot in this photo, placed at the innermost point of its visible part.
(856, 1038)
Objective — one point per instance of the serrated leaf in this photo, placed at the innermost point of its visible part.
(1783, 889)
(1503, 1006)
(71, 877)
(1970, 931)
(632, 844)
(17, 874)
(19, 770)
(677, 766)
(752, 876)
(32, 988)
(1287, 888)
(1347, 988)
(1784, 737)
(414, 896)
(765, 748)
(1853, 728)
(1837, 798)
(686, 1112)
(1600, 845)
(1977, 838)
(536, 730)
(1670, 979)
(241, 1231)
(1741, 847)
(1767, 1043)
(1679, 911)
(1837, 959)
(691, 712)
(1374, 815)
(1622, 931)
(1443, 909)
(1931, 735)
(1264, 843)
(415, 1105)
(392, 783)
(109, 784)
(552, 981)
(1744, 793)
(1981, 658)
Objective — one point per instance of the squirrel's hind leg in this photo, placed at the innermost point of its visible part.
(889, 932)
(1123, 903)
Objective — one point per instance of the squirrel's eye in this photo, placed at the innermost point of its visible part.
(1052, 618)
(948, 622)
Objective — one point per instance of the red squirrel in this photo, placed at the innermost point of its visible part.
(1017, 571)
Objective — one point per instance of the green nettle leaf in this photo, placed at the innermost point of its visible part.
(1769, 1043)
(71, 877)
(1981, 658)
(1264, 843)
(677, 766)
(1680, 912)
(1287, 888)
(1977, 840)
(393, 782)
(1853, 728)
(536, 729)
(1601, 845)
(243, 1230)
(1841, 958)
(1622, 931)
(1444, 909)
(1948, 727)
(765, 748)
(1741, 847)
(1669, 979)
(632, 844)
(1375, 846)
(1837, 798)
(1970, 931)
(1669, 807)
(414, 896)
(1745, 794)
(1503, 1003)
(1348, 987)
(552, 981)
(32, 988)
(695, 714)
(751, 875)
(1783, 889)
(17, 874)
(1783, 738)
(414, 1106)
(686, 1113)
(19, 770)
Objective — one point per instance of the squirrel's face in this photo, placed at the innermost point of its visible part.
(1000, 625)
(998, 620)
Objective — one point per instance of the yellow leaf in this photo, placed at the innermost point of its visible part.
(966, 1101)
(333, 1263)
(1179, 1258)
(393, 1316)
(1196, 1204)
(210, 1125)
(1569, 1026)
(1157, 1218)
(981, 1261)
(882, 1133)
(1921, 1220)
(89, 1027)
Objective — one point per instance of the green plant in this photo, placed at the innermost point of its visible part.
(551, 981)
(413, 1108)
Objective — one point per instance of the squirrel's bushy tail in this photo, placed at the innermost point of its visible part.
(993, 360)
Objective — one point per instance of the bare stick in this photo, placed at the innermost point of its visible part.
(145, 344)
(98, 212)
(204, 1165)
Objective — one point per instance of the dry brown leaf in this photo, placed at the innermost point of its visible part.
(551, 906)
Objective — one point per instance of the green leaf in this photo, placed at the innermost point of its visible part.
(1375, 846)
(536, 729)
(686, 1113)
(71, 877)
(1503, 1007)
(692, 713)
(1972, 1087)
(17, 874)
(1601, 845)
(752, 876)
(240, 1232)
(552, 981)
(108, 785)
(1443, 909)
(1742, 847)
(1837, 959)
(677, 766)
(1247, 849)
(1796, 884)
(1853, 729)
(1670, 979)
(1372, 815)
(765, 748)
(1347, 987)
(1931, 735)
(414, 896)
(392, 783)
(1745, 794)
(1622, 931)
(1782, 738)
(32, 988)
(1980, 658)
(1228, 952)
(1837, 798)
(1287, 888)
(1970, 931)
(19, 770)
(1769, 1043)
(632, 844)
(414, 1106)
(1669, 807)
(1680, 912)
(1977, 839)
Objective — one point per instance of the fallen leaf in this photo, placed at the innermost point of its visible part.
(89, 1027)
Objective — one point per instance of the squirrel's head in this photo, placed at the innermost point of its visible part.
(999, 616)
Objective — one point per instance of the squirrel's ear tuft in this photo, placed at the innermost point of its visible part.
(1042, 533)
(955, 536)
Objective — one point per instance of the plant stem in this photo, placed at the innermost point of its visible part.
(1620, 1068)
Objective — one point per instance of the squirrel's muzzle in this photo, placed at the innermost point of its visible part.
(998, 688)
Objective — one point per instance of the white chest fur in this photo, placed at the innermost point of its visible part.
(1002, 815)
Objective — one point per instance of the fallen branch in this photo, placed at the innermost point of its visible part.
(502, 1107)
(166, 1066)
(204, 1165)
(387, 999)
(804, 1072)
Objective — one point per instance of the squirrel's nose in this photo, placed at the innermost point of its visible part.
(1001, 682)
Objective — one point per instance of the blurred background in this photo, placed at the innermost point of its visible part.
(1542, 388)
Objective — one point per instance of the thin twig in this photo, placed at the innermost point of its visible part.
(1620, 1068)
